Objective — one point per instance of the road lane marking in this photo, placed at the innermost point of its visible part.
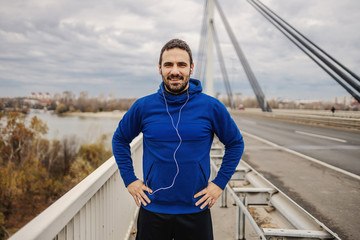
(302, 155)
(248, 122)
(329, 147)
(321, 136)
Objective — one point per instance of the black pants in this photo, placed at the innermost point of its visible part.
(157, 226)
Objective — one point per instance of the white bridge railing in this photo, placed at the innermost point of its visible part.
(99, 207)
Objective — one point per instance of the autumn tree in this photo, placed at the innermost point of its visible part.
(23, 179)
(34, 171)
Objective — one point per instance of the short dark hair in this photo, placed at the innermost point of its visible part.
(176, 43)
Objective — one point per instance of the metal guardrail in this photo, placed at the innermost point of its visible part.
(269, 212)
(311, 118)
(99, 207)
(339, 122)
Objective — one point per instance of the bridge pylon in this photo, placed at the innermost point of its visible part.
(209, 86)
(208, 35)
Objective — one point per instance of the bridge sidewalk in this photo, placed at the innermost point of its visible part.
(224, 222)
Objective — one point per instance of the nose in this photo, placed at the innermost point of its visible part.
(175, 70)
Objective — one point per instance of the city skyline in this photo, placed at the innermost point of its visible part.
(113, 46)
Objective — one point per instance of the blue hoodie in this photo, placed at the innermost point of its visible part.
(200, 118)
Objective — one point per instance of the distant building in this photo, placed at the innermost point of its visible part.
(57, 96)
(40, 96)
(32, 101)
(84, 95)
(33, 95)
(111, 97)
(47, 96)
(354, 104)
(101, 97)
(68, 96)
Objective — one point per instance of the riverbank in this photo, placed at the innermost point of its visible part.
(113, 114)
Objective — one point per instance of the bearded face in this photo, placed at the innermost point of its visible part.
(175, 70)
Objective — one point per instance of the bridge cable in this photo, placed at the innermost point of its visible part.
(276, 22)
(223, 68)
(330, 65)
(312, 43)
(249, 73)
(253, 82)
(355, 95)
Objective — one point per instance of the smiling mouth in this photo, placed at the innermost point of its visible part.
(175, 78)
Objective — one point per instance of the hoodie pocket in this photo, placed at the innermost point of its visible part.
(190, 180)
(146, 179)
(204, 175)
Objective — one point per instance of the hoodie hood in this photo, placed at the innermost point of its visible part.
(194, 88)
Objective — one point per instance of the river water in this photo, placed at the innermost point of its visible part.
(85, 129)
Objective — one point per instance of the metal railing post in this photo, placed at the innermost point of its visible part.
(238, 213)
(224, 199)
(240, 221)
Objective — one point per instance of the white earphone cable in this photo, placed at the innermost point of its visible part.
(180, 141)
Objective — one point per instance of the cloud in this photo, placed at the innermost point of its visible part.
(113, 46)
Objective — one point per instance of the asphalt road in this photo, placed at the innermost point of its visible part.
(329, 195)
(335, 147)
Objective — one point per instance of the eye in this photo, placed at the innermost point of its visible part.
(168, 64)
(182, 64)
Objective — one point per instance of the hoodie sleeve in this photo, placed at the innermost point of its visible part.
(229, 134)
(129, 127)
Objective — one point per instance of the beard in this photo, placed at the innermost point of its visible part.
(177, 88)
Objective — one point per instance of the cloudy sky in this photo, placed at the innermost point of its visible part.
(112, 46)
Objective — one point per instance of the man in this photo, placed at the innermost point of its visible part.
(178, 125)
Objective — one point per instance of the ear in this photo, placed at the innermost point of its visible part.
(159, 69)
(192, 68)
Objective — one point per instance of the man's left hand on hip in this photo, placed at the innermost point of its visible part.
(210, 194)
